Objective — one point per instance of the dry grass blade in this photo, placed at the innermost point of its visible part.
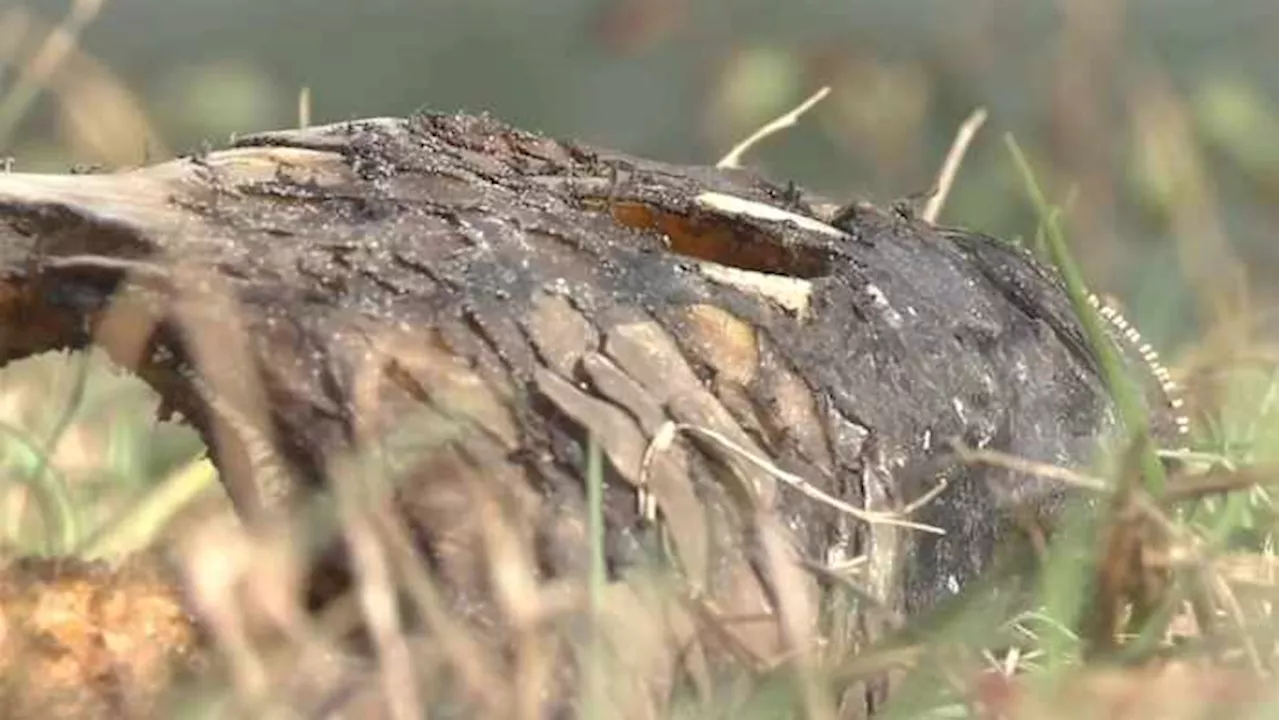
(474, 664)
(734, 158)
(235, 579)
(1043, 470)
(666, 434)
(795, 617)
(37, 72)
(304, 107)
(1190, 487)
(362, 489)
(14, 26)
(1221, 590)
(256, 479)
(951, 165)
(378, 598)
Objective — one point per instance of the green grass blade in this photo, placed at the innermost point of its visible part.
(1133, 415)
(146, 518)
(49, 488)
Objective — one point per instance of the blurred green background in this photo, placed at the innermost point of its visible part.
(1154, 122)
(1155, 119)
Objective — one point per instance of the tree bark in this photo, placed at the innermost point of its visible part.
(473, 302)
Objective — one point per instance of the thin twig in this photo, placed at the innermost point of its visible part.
(951, 165)
(926, 498)
(304, 107)
(782, 122)
(1044, 470)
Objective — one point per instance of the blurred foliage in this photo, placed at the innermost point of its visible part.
(1080, 83)
(87, 456)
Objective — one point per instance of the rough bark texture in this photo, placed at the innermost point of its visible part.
(310, 290)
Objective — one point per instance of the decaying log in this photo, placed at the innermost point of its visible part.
(477, 300)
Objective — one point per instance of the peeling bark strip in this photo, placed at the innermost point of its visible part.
(480, 298)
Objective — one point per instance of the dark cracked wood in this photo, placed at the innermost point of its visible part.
(388, 278)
